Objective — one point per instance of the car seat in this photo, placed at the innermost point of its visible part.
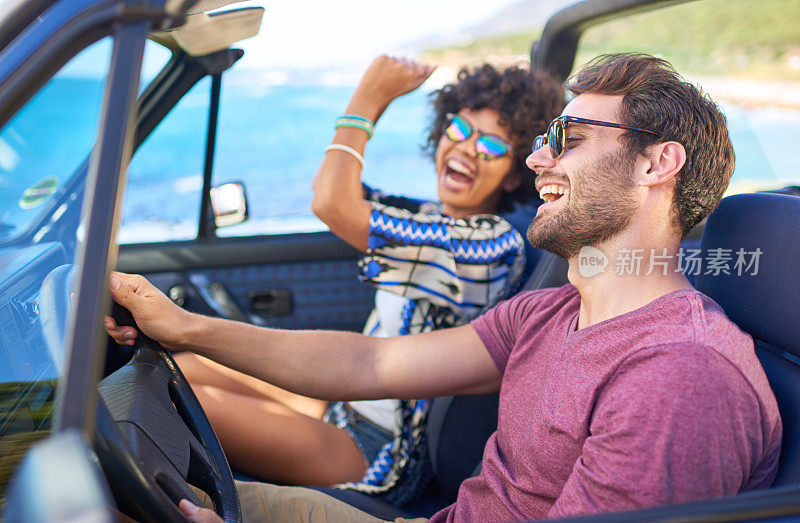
(765, 304)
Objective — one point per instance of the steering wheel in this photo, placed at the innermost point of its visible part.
(152, 437)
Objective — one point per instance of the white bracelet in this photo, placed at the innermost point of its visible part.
(349, 150)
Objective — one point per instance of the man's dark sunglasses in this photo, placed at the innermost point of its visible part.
(556, 134)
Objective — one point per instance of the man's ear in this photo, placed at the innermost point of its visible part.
(663, 162)
(512, 181)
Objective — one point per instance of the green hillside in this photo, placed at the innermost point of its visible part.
(748, 38)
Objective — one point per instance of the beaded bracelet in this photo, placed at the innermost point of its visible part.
(347, 149)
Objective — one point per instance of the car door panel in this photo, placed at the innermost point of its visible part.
(289, 281)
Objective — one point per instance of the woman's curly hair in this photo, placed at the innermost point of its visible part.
(526, 100)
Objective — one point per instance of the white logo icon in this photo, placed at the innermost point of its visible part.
(591, 262)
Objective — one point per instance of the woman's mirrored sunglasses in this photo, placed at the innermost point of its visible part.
(487, 146)
(556, 134)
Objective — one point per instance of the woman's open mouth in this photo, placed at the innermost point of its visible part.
(457, 175)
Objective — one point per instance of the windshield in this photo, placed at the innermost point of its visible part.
(46, 142)
(38, 156)
(40, 150)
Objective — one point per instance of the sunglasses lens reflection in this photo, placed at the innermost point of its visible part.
(458, 130)
(538, 143)
(556, 138)
(490, 146)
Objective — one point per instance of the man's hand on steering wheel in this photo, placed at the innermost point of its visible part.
(166, 431)
(155, 314)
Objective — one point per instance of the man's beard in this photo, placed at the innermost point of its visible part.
(602, 203)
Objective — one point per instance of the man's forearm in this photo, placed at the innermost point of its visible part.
(320, 364)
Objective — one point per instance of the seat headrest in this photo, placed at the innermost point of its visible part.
(766, 303)
(519, 218)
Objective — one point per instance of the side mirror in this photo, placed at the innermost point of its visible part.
(229, 203)
(59, 480)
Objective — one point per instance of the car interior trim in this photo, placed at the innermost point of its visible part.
(179, 256)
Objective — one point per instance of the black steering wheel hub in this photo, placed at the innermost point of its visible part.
(154, 440)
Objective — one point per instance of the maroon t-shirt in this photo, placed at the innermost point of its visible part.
(665, 404)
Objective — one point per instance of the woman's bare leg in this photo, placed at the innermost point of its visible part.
(203, 371)
(264, 438)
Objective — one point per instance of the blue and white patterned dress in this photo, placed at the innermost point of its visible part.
(431, 271)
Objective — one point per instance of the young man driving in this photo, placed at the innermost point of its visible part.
(625, 388)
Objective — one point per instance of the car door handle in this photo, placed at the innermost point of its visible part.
(218, 298)
(272, 302)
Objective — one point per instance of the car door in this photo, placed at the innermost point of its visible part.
(280, 268)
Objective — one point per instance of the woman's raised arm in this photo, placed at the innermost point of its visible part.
(338, 194)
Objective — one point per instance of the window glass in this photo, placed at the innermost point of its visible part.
(41, 151)
(37, 158)
(746, 55)
(165, 177)
(272, 135)
(155, 58)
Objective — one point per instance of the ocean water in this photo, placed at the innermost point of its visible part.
(272, 139)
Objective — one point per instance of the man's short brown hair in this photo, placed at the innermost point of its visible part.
(655, 97)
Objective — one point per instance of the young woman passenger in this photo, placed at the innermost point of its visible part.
(434, 265)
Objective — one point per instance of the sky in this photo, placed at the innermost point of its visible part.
(319, 33)
(314, 34)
